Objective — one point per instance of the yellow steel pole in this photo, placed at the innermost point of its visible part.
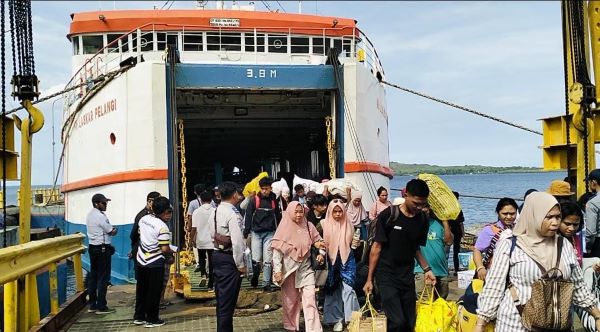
(28, 305)
(78, 269)
(10, 306)
(53, 278)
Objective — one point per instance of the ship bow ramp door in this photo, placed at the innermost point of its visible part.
(240, 120)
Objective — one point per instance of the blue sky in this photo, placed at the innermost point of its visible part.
(501, 58)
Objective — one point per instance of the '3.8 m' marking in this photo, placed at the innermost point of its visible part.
(261, 73)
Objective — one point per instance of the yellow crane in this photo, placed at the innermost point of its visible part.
(569, 139)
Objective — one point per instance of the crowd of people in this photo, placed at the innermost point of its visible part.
(325, 252)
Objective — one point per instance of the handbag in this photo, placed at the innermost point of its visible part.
(314, 253)
(222, 242)
(548, 309)
(360, 323)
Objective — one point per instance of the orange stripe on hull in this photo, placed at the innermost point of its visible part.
(120, 177)
(369, 167)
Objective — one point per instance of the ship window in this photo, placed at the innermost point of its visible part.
(347, 47)
(231, 41)
(111, 38)
(92, 44)
(76, 45)
(337, 45)
(318, 47)
(300, 45)
(260, 41)
(147, 40)
(223, 41)
(277, 44)
(192, 42)
(164, 38)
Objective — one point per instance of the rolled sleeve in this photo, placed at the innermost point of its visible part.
(495, 283)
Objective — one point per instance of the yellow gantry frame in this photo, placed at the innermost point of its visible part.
(21, 306)
(555, 147)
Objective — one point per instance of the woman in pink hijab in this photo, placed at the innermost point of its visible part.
(292, 266)
(340, 297)
(380, 204)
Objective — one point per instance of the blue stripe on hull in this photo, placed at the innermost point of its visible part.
(122, 266)
(309, 77)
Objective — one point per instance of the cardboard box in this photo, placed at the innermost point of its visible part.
(465, 278)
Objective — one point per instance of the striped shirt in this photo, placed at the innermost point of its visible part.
(496, 302)
(153, 234)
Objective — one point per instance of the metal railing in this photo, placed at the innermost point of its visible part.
(22, 262)
(267, 40)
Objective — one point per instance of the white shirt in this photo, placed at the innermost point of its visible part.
(230, 222)
(202, 222)
(98, 227)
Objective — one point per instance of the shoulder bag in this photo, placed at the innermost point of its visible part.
(320, 269)
(548, 309)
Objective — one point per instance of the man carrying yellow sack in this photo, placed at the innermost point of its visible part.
(396, 244)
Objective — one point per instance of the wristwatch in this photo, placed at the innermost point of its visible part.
(427, 269)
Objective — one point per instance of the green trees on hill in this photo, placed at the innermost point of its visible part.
(413, 169)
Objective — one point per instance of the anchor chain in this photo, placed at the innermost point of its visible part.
(330, 148)
(184, 200)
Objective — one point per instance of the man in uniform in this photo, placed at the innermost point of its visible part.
(228, 260)
(99, 233)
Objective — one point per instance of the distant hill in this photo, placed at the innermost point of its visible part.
(414, 169)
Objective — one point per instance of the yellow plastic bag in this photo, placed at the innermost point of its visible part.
(253, 186)
(435, 316)
(467, 321)
(441, 199)
(376, 322)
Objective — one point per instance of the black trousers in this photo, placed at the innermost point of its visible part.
(227, 289)
(147, 292)
(99, 275)
(399, 305)
(203, 255)
(456, 250)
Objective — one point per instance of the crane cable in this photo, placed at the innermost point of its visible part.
(466, 109)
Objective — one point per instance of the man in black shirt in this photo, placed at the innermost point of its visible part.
(135, 230)
(392, 260)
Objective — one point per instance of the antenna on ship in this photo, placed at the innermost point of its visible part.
(299, 7)
(201, 4)
(220, 5)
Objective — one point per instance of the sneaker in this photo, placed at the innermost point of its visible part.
(211, 290)
(104, 311)
(157, 323)
(92, 310)
(338, 327)
(139, 322)
(203, 282)
(268, 289)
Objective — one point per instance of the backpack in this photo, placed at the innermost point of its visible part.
(548, 308)
(263, 219)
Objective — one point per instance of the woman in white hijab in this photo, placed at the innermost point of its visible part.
(536, 239)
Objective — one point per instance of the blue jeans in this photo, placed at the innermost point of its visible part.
(99, 276)
(261, 251)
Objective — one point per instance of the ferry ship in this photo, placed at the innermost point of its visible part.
(241, 91)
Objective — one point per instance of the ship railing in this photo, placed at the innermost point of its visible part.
(153, 37)
(39, 196)
(23, 262)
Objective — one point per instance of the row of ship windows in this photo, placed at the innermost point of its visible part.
(211, 41)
